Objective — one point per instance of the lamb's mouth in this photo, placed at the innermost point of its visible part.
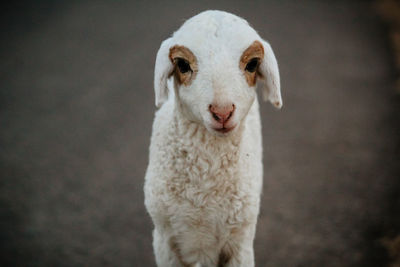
(224, 129)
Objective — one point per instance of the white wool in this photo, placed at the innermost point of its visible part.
(202, 188)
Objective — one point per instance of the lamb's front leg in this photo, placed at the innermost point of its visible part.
(239, 252)
(165, 256)
(244, 258)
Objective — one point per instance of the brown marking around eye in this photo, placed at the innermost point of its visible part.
(255, 50)
(180, 51)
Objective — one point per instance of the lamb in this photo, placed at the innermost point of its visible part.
(204, 178)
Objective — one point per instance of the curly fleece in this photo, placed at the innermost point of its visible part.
(202, 188)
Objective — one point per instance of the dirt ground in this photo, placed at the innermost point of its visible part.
(76, 109)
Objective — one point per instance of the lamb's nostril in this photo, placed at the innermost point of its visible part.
(230, 115)
(233, 109)
(215, 116)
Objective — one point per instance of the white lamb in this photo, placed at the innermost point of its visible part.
(204, 179)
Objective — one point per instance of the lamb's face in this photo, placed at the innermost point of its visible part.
(215, 86)
(216, 59)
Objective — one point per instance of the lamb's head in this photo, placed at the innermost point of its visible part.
(216, 61)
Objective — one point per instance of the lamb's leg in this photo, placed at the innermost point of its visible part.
(247, 256)
(243, 258)
(239, 251)
(164, 255)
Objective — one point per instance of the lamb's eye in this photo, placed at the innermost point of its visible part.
(252, 65)
(183, 65)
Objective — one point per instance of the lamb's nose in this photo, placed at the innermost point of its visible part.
(222, 113)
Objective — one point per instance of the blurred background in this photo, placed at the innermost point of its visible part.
(76, 110)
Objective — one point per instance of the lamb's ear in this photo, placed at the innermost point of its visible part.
(162, 71)
(271, 86)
